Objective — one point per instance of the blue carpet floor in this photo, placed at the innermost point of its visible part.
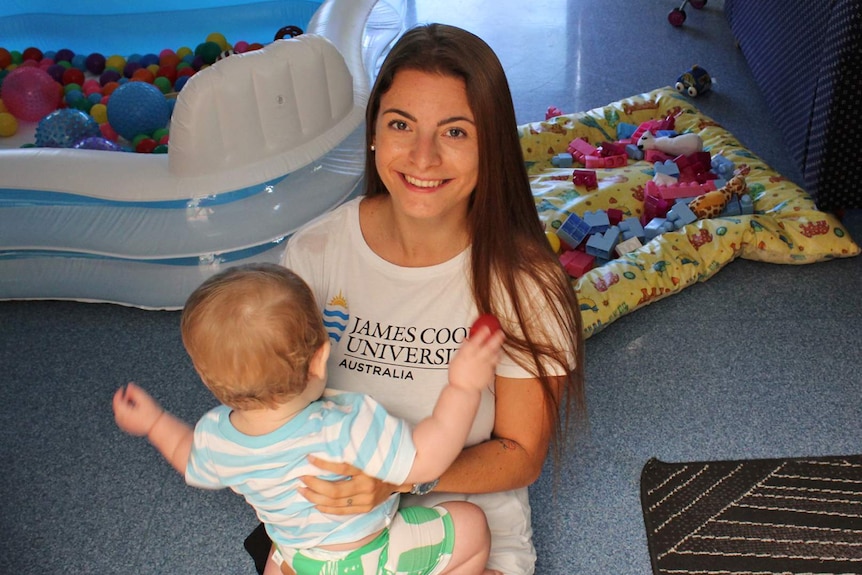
(760, 361)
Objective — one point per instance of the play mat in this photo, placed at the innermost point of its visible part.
(785, 228)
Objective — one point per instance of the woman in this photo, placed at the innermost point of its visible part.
(447, 230)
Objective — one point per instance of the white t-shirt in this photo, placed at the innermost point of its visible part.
(393, 330)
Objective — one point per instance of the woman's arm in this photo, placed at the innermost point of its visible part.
(512, 458)
(516, 452)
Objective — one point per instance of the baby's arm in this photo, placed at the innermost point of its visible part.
(139, 414)
(440, 437)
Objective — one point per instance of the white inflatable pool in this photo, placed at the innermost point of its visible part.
(261, 143)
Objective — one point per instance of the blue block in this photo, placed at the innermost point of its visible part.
(722, 166)
(564, 160)
(657, 227)
(632, 228)
(602, 245)
(634, 153)
(746, 204)
(668, 168)
(732, 208)
(680, 215)
(573, 231)
(625, 131)
(597, 220)
(665, 133)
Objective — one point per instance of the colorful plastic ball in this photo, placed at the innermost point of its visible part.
(30, 93)
(146, 146)
(163, 84)
(109, 75)
(138, 108)
(109, 88)
(184, 51)
(73, 76)
(56, 72)
(100, 113)
(79, 61)
(98, 143)
(167, 71)
(65, 55)
(73, 96)
(95, 63)
(116, 62)
(8, 124)
(208, 51)
(142, 75)
(180, 83)
(148, 60)
(225, 53)
(108, 132)
(130, 68)
(64, 128)
(5, 58)
(219, 39)
(72, 88)
(240, 47)
(91, 86)
(169, 59)
(32, 53)
(160, 149)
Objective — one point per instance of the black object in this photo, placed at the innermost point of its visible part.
(288, 32)
(258, 545)
(787, 516)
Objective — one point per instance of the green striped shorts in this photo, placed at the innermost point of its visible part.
(418, 542)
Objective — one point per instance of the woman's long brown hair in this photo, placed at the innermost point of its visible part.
(508, 240)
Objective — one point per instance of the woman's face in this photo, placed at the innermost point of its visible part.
(427, 152)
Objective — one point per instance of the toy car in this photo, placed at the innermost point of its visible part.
(694, 82)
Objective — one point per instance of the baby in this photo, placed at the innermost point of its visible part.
(256, 338)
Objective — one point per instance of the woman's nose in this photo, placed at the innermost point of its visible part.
(425, 151)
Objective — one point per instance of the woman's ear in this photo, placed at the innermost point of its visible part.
(317, 365)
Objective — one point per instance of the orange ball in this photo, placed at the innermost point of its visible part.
(143, 75)
(109, 88)
(170, 59)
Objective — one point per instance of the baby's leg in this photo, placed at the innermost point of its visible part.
(272, 567)
(472, 539)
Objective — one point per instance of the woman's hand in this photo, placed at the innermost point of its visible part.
(358, 494)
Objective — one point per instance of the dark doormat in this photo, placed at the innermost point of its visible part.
(763, 516)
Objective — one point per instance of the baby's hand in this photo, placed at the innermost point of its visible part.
(475, 363)
(135, 411)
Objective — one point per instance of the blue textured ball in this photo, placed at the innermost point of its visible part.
(137, 108)
(64, 128)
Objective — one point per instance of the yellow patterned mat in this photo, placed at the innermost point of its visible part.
(786, 226)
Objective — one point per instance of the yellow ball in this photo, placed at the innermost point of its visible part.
(184, 51)
(99, 113)
(8, 124)
(554, 240)
(116, 62)
(219, 39)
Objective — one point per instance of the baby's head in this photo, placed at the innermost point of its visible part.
(251, 332)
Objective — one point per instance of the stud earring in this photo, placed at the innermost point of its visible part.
(372, 147)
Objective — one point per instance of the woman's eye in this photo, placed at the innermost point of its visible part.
(456, 133)
(398, 124)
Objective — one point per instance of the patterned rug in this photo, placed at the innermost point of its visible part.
(765, 516)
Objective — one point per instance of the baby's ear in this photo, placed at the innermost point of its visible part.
(317, 365)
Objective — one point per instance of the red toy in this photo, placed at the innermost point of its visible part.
(485, 320)
(676, 17)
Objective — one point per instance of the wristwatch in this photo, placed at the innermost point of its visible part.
(424, 488)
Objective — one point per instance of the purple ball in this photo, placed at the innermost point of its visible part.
(109, 76)
(56, 71)
(130, 68)
(95, 63)
(98, 143)
(64, 54)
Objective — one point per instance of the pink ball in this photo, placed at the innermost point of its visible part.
(30, 94)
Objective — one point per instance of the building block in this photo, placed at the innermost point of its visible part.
(746, 204)
(680, 215)
(627, 246)
(678, 190)
(722, 167)
(654, 208)
(611, 149)
(579, 148)
(552, 112)
(577, 263)
(653, 156)
(656, 227)
(615, 215)
(634, 153)
(668, 168)
(731, 208)
(602, 245)
(563, 160)
(625, 131)
(585, 178)
(631, 228)
(573, 231)
(598, 221)
(597, 162)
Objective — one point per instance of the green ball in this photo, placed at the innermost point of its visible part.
(209, 51)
